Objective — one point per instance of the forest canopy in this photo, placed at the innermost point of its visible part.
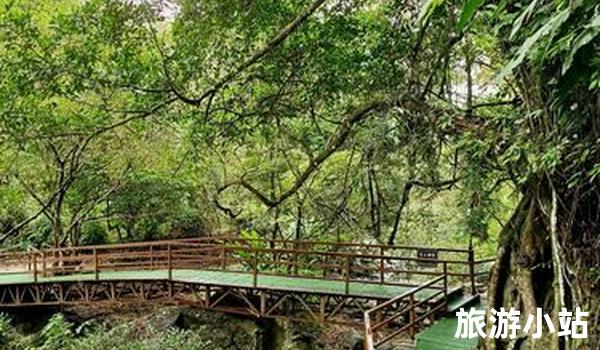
(433, 122)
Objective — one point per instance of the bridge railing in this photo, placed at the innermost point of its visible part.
(347, 262)
(162, 255)
(367, 263)
(15, 262)
(407, 312)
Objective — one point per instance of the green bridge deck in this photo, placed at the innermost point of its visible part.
(237, 279)
(440, 336)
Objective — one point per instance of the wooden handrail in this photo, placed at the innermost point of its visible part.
(200, 240)
(339, 244)
(404, 295)
(219, 241)
(408, 298)
(345, 255)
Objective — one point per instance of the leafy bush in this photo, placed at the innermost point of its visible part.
(123, 337)
(58, 334)
(5, 329)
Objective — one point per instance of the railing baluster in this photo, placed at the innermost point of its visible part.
(295, 259)
(43, 264)
(255, 269)
(170, 261)
(347, 274)
(223, 252)
(471, 261)
(35, 272)
(96, 272)
(412, 316)
(382, 266)
(446, 285)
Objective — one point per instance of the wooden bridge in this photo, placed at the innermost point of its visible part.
(391, 291)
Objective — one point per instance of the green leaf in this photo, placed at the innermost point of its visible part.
(594, 173)
(428, 8)
(467, 13)
(522, 18)
(589, 33)
(547, 29)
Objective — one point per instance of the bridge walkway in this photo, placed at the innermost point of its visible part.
(237, 279)
(391, 291)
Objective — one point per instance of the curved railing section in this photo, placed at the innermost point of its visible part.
(346, 262)
(405, 312)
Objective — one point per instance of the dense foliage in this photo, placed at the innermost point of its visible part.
(59, 334)
(105, 141)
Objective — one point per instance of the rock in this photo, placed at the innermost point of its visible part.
(227, 331)
(351, 339)
(286, 335)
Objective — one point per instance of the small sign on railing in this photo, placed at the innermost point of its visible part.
(429, 254)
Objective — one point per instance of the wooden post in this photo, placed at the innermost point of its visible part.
(412, 316)
(369, 345)
(96, 271)
(263, 303)
(151, 257)
(170, 261)
(472, 269)
(43, 264)
(382, 266)
(223, 258)
(273, 246)
(348, 275)
(445, 280)
(35, 274)
(255, 269)
(207, 296)
(295, 261)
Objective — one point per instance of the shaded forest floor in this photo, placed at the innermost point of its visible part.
(144, 327)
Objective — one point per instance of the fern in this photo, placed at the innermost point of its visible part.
(57, 334)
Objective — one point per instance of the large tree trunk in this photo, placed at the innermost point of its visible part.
(548, 257)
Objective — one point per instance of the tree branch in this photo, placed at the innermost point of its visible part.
(254, 58)
(333, 144)
(408, 186)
